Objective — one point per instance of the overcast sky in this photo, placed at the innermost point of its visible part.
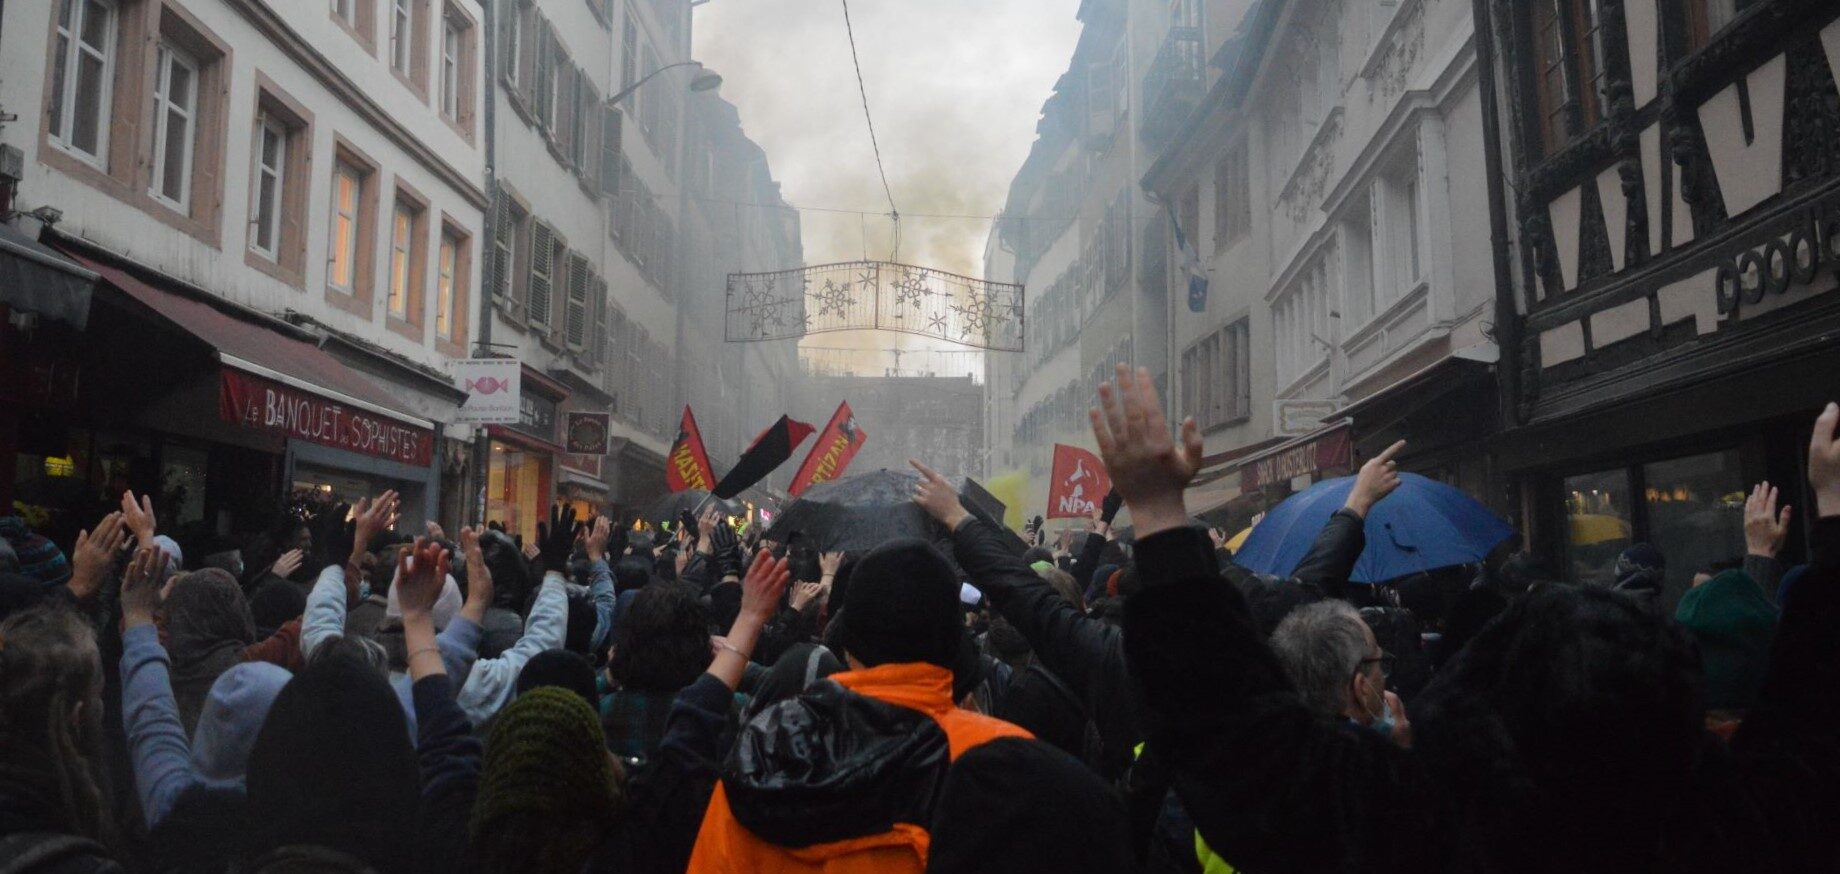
(955, 87)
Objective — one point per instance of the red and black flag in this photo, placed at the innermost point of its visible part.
(832, 453)
(768, 451)
(687, 467)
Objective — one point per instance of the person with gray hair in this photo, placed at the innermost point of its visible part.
(1339, 669)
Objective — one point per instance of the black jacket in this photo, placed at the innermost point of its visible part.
(1088, 654)
(1274, 788)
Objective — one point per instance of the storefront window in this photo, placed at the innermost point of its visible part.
(1597, 507)
(182, 474)
(1695, 514)
(517, 489)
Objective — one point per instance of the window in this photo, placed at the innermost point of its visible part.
(1396, 229)
(347, 194)
(629, 57)
(271, 147)
(1216, 380)
(450, 289)
(1705, 18)
(402, 36)
(405, 301)
(346, 10)
(175, 107)
(1232, 205)
(358, 18)
(82, 78)
(402, 242)
(1598, 519)
(451, 35)
(610, 156)
(1300, 322)
(511, 19)
(1357, 243)
(512, 221)
(1569, 56)
(543, 89)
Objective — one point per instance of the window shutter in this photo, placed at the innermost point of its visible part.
(598, 340)
(530, 37)
(575, 318)
(610, 152)
(542, 273)
(500, 287)
(589, 162)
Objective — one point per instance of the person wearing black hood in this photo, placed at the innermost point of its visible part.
(839, 778)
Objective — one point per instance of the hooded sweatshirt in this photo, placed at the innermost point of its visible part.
(207, 626)
(842, 779)
(166, 766)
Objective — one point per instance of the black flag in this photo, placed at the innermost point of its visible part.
(769, 450)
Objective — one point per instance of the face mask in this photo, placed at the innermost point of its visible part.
(1384, 722)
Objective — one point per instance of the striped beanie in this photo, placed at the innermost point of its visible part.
(39, 558)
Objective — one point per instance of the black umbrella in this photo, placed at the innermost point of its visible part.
(858, 513)
(669, 507)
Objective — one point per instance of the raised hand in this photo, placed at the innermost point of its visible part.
(829, 563)
(371, 518)
(725, 549)
(434, 530)
(937, 497)
(421, 572)
(765, 582)
(1377, 479)
(805, 593)
(1148, 468)
(289, 562)
(139, 516)
(94, 556)
(595, 537)
(1824, 462)
(556, 539)
(1764, 527)
(140, 586)
(478, 577)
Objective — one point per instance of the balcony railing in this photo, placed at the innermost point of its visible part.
(1172, 87)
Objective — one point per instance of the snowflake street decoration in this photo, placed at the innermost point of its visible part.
(860, 295)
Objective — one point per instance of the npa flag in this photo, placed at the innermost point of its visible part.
(767, 452)
(833, 451)
(1191, 264)
(1079, 484)
(687, 467)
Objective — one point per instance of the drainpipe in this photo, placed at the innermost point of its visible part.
(482, 447)
(1507, 315)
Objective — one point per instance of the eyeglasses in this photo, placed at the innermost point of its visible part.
(1386, 661)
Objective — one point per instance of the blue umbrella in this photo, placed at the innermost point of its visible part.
(1421, 526)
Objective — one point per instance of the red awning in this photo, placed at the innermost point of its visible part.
(299, 389)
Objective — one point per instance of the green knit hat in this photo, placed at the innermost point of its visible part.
(1733, 623)
(547, 778)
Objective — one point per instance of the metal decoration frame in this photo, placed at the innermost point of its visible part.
(875, 295)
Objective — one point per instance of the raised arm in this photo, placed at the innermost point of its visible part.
(600, 582)
(446, 748)
(162, 756)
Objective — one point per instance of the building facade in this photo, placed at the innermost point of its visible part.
(1678, 199)
(611, 247)
(1086, 243)
(936, 419)
(284, 204)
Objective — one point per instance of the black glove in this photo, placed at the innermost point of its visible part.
(727, 547)
(1109, 506)
(333, 535)
(556, 540)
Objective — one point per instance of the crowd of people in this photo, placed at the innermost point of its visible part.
(358, 700)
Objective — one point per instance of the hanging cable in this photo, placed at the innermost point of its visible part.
(867, 118)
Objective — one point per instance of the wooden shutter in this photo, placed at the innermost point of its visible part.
(576, 317)
(542, 273)
(589, 165)
(500, 287)
(597, 342)
(610, 152)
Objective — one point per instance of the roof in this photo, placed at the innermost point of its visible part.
(252, 348)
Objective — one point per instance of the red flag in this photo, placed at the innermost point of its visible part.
(833, 451)
(1078, 485)
(768, 451)
(687, 467)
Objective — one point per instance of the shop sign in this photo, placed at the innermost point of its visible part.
(537, 416)
(1330, 451)
(264, 405)
(1295, 418)
(586, 433)
(492, 387)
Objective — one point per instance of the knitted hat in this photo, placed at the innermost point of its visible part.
(903, 606)
(333, 765)
(39, 558)
(1734, 624)
(547, 785)
(561, 669)
(1641, 568)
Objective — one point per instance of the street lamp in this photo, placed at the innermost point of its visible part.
(704, 81)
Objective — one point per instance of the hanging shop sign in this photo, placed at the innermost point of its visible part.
(1305, 457)
(492, 387)
(265, 405)
(586, 433)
